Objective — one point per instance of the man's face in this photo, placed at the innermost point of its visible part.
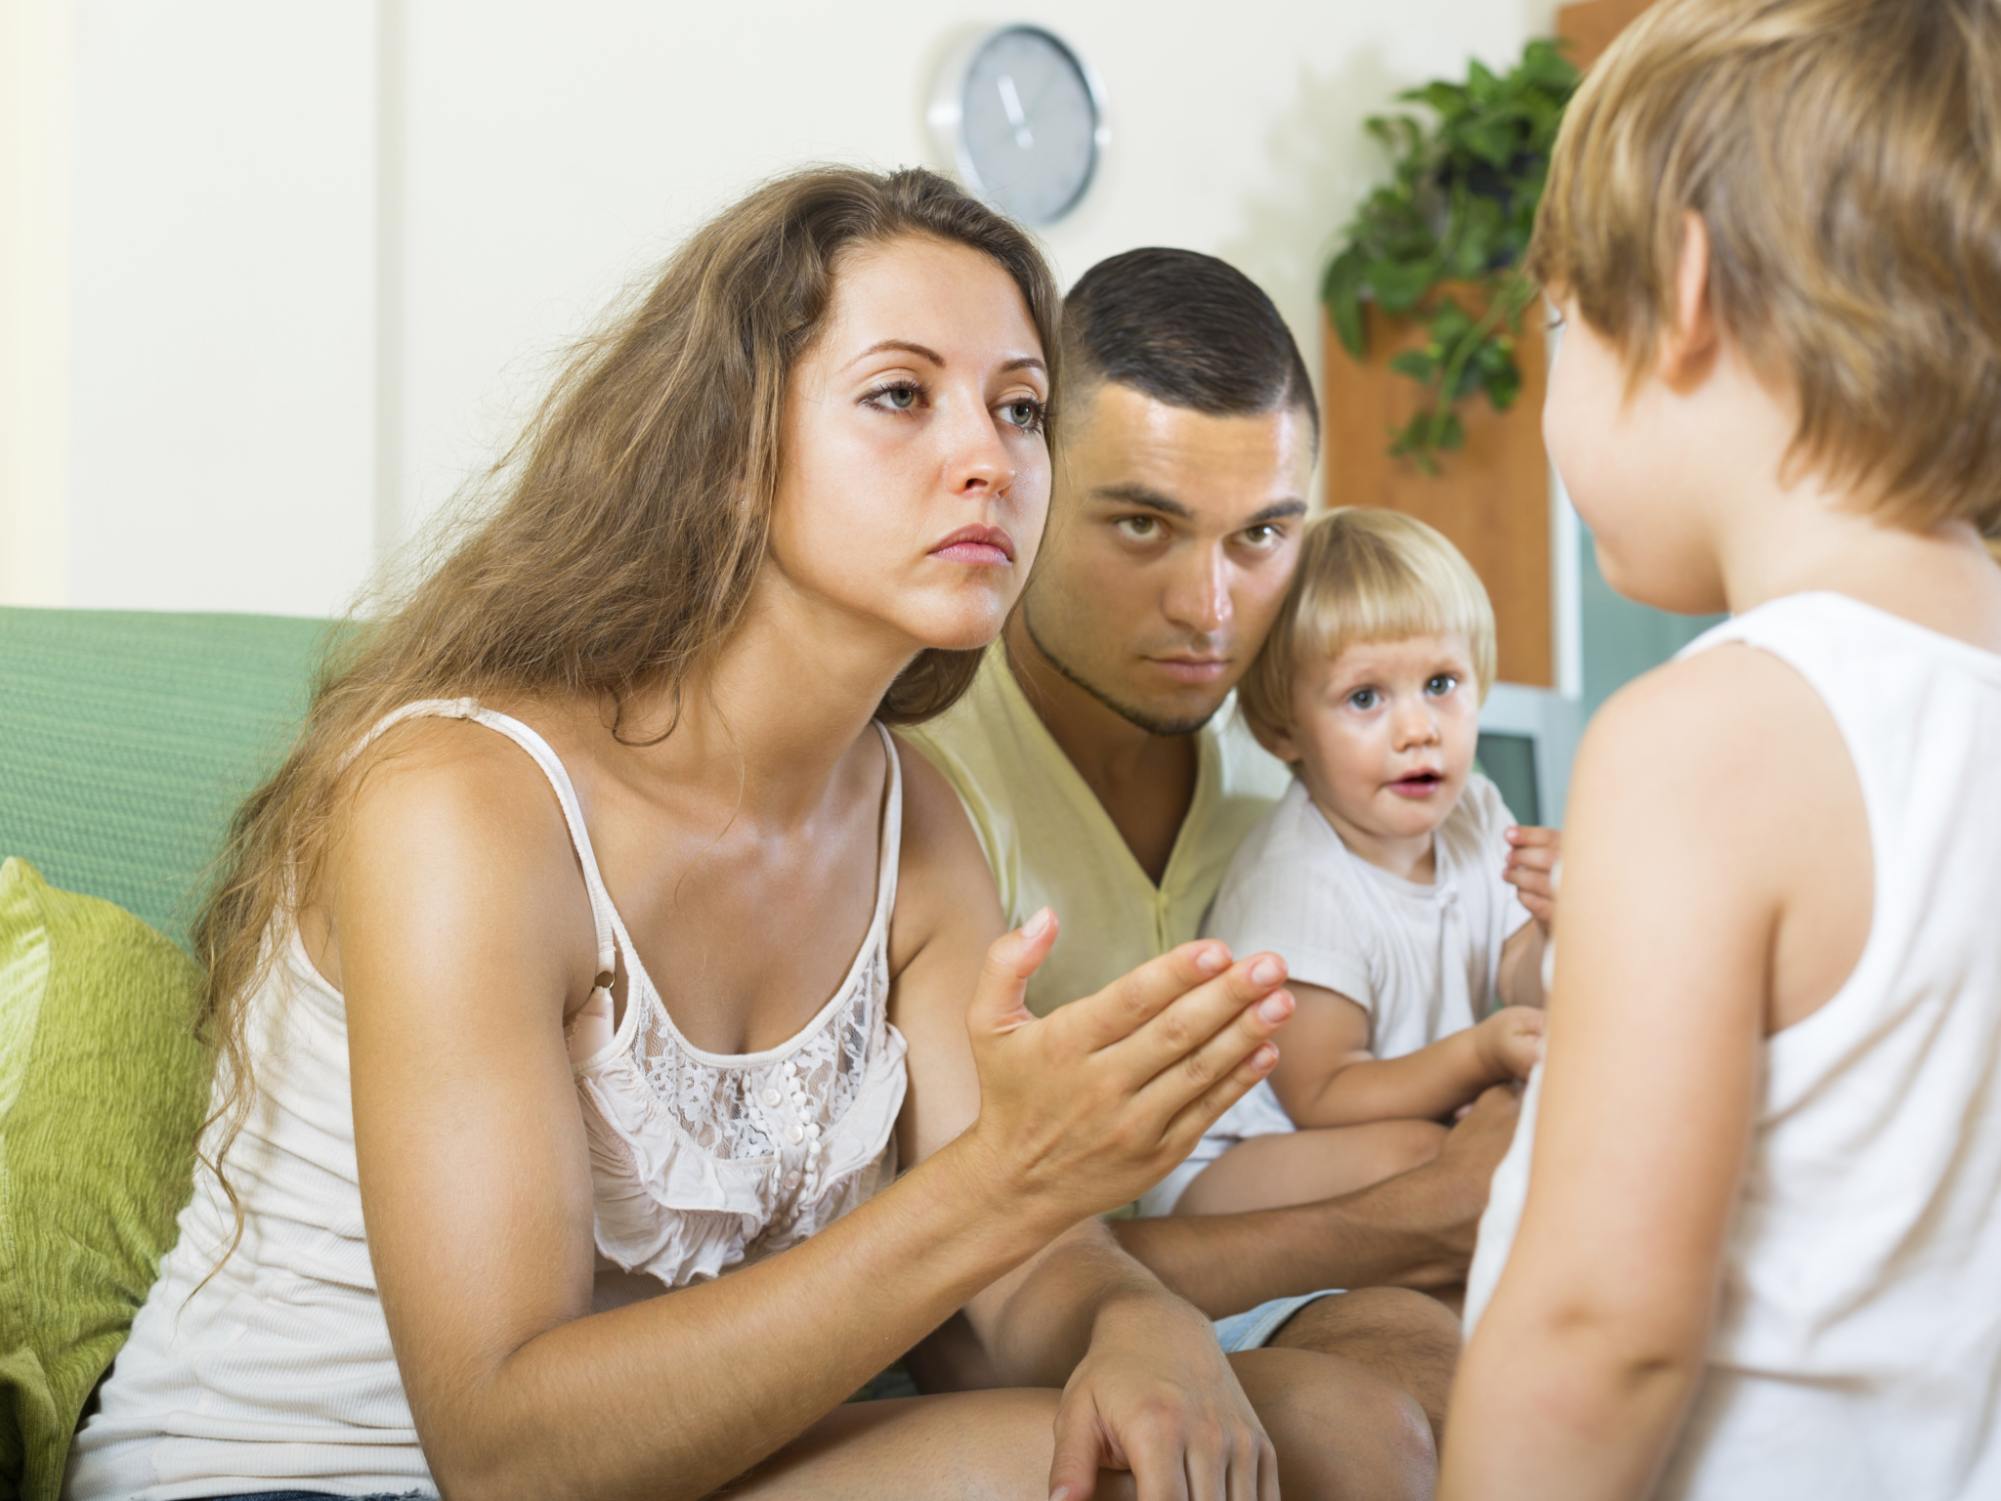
(1172, 536)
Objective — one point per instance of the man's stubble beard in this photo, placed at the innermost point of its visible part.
(1138, 718)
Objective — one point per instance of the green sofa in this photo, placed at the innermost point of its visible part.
(126, 740)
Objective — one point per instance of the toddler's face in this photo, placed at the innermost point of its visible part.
(1384, 735)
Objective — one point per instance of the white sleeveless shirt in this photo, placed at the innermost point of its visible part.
(1857, 1352)
(277, 1373)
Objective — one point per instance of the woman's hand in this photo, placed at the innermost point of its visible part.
(1090, 1106)
(1510, 1042)
(1155, 1395)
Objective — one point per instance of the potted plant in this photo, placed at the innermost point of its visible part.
(1443, 239)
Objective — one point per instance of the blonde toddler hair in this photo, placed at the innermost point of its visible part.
(1845, 161)
(1365, 575)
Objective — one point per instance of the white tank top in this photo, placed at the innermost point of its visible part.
(277, 1373)
(1857, 1352)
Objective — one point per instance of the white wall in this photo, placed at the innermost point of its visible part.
(308, 261)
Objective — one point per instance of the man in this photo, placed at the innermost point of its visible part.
(1101, 760)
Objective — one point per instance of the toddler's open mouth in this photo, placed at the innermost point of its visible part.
(1418, 784)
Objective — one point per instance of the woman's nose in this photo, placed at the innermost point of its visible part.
(977, 462)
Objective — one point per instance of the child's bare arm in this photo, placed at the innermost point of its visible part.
(1533, 855)
(1579, 1374)
(1327, 1077)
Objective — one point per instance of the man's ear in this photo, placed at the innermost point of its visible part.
(1689, 346)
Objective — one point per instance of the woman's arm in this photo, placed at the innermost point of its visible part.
(1688, 829)
(1327, 1077)
(463, 935)
(1147, 1387)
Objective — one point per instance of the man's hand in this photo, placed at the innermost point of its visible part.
(1533, 857)
(1155, 1395)
(1510, 1042)
(1464, 1168)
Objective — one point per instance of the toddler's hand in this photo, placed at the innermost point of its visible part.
(1533, 859)
(1510, 1041)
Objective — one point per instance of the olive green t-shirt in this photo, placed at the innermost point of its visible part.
(1050, 842)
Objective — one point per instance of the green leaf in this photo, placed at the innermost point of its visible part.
(1341, 290)
(1419, 364)
(1397, 286)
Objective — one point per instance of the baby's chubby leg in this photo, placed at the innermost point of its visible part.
(1302, 1167)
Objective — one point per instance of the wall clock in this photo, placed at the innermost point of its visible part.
(1022, 117)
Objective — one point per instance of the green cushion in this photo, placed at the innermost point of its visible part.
(128, 738)
(102, 1089)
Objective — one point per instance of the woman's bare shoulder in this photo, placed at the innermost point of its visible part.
(943, 882)
(449, 826)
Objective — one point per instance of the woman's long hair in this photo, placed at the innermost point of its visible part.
(629, 528)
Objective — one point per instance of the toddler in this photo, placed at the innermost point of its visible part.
(1410, 911)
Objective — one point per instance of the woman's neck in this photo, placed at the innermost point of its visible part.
(768, 723)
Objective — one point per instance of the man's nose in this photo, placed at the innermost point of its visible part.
(1198, 598)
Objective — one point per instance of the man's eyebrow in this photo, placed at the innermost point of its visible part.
(1143, 495)
(1153, 500)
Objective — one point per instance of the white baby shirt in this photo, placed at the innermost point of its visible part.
(1423, 961)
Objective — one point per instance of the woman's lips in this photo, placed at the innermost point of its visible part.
(985, 546)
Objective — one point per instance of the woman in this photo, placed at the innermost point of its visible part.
(521, 1039)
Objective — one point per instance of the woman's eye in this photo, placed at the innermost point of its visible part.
(1024, 414)
(898, 397)
(1364, 699)
(1441, 685)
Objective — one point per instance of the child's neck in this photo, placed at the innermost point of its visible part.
(1413, 858)
(1941, 578)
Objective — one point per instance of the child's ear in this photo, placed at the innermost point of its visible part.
(1278, 742)
(1689, 347)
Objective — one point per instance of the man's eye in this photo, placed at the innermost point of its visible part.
(1264, 534)
(1364, 699)
(1442, 684)
(1139, 528)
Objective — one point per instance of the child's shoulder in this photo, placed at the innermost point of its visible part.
(1291, 834)
(1291, 861)
(1719, 747)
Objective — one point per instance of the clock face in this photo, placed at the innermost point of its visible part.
(1029, 125)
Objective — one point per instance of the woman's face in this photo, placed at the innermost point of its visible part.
(914, 470)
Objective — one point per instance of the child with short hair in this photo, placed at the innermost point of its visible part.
(1383, 876)
(1746, 1242)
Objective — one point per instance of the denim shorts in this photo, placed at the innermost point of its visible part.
(1253, 1328)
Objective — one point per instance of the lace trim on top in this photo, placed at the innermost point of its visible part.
(703, 1161)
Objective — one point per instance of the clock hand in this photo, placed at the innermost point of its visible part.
(1011, 102)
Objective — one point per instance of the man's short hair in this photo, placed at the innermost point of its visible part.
(1185, 329)
(1845, 158)
(1365, 575)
